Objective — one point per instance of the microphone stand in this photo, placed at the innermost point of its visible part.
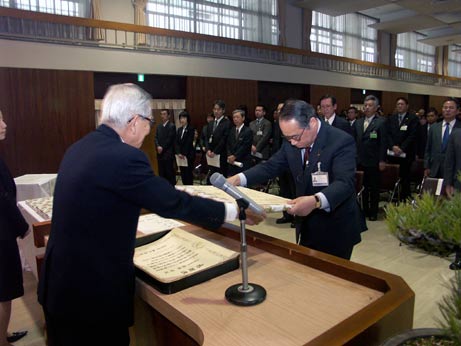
(244, 294)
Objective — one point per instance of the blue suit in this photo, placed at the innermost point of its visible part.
(102, 184)
(333, 232)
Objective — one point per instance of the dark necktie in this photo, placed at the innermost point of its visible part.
(446, 136)
(307, 152)
(237, 131)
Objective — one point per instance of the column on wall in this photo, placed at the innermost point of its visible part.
(140, 19)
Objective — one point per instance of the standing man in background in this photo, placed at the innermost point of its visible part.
(165, 144)
(321, 159)
(403, 128)
(239, 143)
(262, 131)
(328, 106)
(218, 131)
(438, 138)
(370, 134)
(352, 115)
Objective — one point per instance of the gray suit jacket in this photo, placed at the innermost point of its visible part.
(453, 160)
(261, 141)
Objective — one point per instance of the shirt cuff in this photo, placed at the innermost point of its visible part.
(231, 211)
(324, 200)
(243, 179)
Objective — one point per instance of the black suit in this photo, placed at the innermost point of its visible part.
(88, 274)
(342, 124)
(453, 160)
(185, 147)
(240, 147)
(371, 150)
(422, 140)
(333, 232)
(12, 225)
(217, 143)
(405, 136)
(165, 138)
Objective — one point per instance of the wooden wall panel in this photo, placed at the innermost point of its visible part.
(343, 95)
(389, 99)
(46, 111)
(437, 102)
(203, 91)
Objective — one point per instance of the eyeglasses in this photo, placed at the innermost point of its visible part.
(296, 138)
(149, 119)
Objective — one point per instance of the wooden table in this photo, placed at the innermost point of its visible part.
(312, 299)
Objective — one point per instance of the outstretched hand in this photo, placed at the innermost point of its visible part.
(253, 218)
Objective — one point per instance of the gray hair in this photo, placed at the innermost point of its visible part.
(121, 102)
(241, 111)
(372, 98)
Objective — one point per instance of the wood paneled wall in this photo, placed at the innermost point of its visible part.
(203, 91)
(46, 111)
(437, 102)
(343, 95)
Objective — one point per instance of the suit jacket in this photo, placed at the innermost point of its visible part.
(102, 184)
(240, 147)
(453, 160)
(217, 139)
(335, 150)
(12, 223)
(404, 135)
(371, 144)
(422, 140)
(261, 135)
(342, 124)
(276, 137)
(165, 138)
(185, 145)
(434, 158)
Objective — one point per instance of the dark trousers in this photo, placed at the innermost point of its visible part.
(187, 177)
(404, 173)
(70, 332)
(338, 250)
(166, 170)
(287, 189)
(371, 190)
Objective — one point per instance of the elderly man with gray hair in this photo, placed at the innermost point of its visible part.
(87, 281)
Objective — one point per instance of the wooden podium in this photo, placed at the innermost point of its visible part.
(312, 299)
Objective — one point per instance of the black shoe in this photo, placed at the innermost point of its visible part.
(373, 218)
(283, 219)
(16, 336)
(293, 225)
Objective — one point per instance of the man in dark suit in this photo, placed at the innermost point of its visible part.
(370, 135)
(239, 144)
(165, 144)
(262, 131)
(321, 159)
(87, 281)
(403, 128)
(328, 106)
(452, 163)
(438, 138)
(218, 131)
(185, 147)
(430, 119)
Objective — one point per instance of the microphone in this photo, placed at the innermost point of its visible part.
(220, 182)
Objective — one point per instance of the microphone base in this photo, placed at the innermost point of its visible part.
(254, 295)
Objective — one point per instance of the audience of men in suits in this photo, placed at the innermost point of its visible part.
(370, 133)
(403, 128)
(426, 121)
(328, 106)
(262, 131)
(438, 138)
(239, 144)
(218, 131)
(165, 145)
(352, 115)
(185, 147)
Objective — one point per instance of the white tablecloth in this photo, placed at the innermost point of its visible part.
(32, 186)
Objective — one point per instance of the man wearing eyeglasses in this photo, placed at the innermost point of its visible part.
(321, 159)
(87, 281)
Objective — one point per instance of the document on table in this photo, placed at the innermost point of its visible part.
(152, 223)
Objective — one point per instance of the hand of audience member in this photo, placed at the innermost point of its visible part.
(450, 190)
(234, 180)
(382, 165)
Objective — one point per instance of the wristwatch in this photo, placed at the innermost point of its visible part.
(318, 202)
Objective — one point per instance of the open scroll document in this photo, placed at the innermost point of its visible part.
(181, 259)
(270, 203)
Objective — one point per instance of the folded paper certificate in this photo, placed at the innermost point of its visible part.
(181, 162)
(391, 153)
(181, 259)
(213, 161)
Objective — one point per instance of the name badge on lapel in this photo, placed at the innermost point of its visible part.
(319, 178)
(373, 135)
(259, 133)
(403, 127)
